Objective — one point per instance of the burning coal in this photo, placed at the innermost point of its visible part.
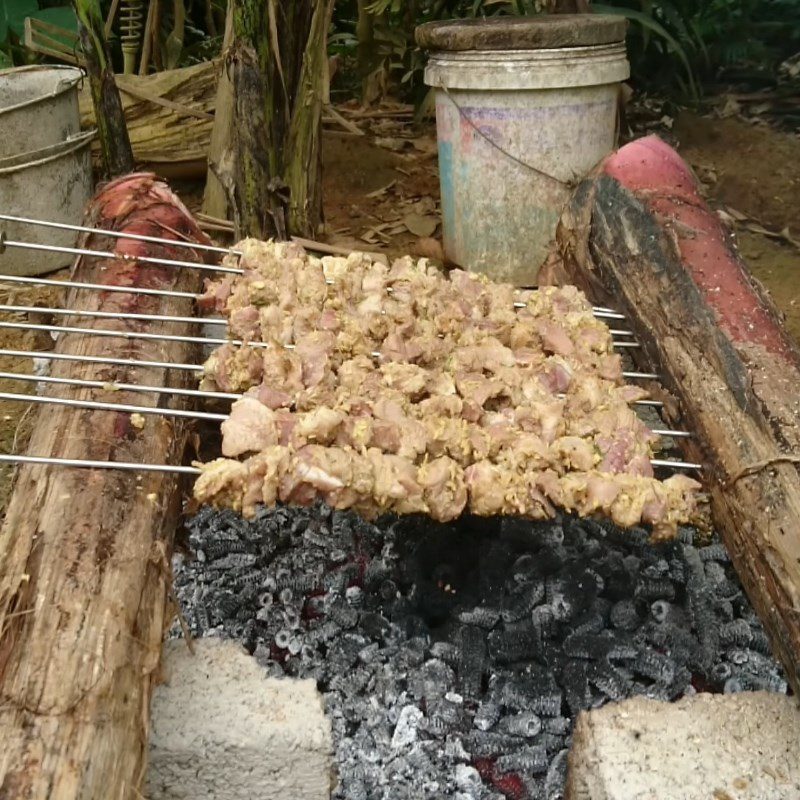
(454, 658)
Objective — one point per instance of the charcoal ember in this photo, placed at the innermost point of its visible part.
(544, 622)
(344, 616)
(610, 681)
(556, 776)
(413, 633)
(677, 571)
(468, 779)
(663, 611)
(547, 704)
(472, 661)
(560, 726)
(480, 616)
(487, 715)
(433, 680)
(700, 608)
(525, 724)
(736, 633)
(552, 742)
(659, 668)
(649, 589)
(483, 744)
(522, 601)
(760, 642)
(448, 652)
(714, 552)
(625, 616)
(374, 625)
(508, 646)
(587, 646)
(529, 760)
(407, 727)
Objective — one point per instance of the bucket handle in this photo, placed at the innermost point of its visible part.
(463, 114)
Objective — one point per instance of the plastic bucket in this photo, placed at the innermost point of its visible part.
(516, 128)
(54, 183)
(38, 107)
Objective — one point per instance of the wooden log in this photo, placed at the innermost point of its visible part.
(638, 235)
(84, 554)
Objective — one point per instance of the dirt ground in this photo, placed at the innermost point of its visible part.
(382, 194)
(752, 173)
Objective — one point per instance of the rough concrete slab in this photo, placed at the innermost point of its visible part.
(706, 747)
(221, 730)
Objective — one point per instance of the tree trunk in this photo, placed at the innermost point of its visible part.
(304, 149)
(219, 178)
(638, 236)
(365, 36)
(85, 554)
(111, 129)
(277, 62)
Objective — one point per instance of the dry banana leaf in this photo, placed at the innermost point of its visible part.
(169, 114)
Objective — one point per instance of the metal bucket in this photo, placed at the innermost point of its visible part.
(38, 107)
(53, 183)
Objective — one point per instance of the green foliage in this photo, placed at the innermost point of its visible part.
(676, 46)
(707, 41)
(13, 14)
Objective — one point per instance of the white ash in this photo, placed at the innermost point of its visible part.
(454, 658)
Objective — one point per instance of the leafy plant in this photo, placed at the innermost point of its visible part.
(674, 45)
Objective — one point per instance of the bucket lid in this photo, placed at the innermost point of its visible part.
(522, 33)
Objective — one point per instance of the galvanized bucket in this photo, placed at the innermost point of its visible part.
(38, 107)
(53, 183)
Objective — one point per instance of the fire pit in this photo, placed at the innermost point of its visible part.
(454, 658)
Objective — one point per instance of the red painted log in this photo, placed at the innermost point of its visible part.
(638, 235)
(84, 554)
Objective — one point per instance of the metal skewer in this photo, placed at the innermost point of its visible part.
(159, 337)
(80, 251)
(660, 462)
(67, 312)
(116, 386)
(120, 234)
(116, 362)
(99, 287)
(87, 464)
(672, 434)
(127, 465)
(99, 405)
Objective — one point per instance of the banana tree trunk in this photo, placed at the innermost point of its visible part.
(112, 131)
(278, 66)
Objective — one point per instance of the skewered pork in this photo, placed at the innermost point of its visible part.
(403, 391)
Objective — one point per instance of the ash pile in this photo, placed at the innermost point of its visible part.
(454, 658)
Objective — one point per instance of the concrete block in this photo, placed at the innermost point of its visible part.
(222, 730)
(705, 747)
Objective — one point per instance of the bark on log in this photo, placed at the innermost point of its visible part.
(638, 235)
(84, 554)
